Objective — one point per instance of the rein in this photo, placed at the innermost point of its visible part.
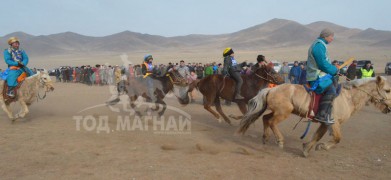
(39, 97)
(268, 75)
(378, 100)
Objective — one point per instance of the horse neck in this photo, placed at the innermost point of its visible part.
(34, 79)
(167, 85)
(256, 81)
(359, 97)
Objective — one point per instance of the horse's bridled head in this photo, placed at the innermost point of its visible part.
(268, 72)
(46, 81)
(384, 94)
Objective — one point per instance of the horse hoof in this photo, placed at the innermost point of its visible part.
(281, 145)
(220, 120)
(320, 146)
(305, 153)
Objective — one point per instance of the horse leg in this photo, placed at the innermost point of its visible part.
(336, 132)
(207, 106)
(317, 136)
(164, 106)
(24, 109)
(266, 125)
(274, 120)
(159, 100)
(7, 109)
(243, 109)
(220, 110)
(133, 106)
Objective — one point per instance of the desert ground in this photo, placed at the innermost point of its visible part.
(51, 143)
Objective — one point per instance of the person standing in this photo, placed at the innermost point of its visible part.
(208, 70)
(320, 71)
(284, 71)
(17, 61)
(303, 74)
(183, 70)
(294, 74)
(366, 71)
(232, 69)
(351, 72)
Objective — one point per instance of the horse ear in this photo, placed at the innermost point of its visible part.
(380, 81)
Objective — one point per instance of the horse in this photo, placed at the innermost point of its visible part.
(26, 93)
(289, 98)
(218, 86)
(170, 82)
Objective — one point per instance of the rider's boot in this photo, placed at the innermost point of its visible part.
(324, 110)
(238, 96)
(11, 92)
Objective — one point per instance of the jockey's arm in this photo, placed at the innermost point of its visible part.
(227, 64)
(25, 60)
(8, 59)
(319, 53)
(143, 69)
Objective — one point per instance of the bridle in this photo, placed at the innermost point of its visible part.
(177, 77)
(376, 99)
(273, 81)
(42, 84)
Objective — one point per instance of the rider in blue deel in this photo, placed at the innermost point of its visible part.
(17, 60)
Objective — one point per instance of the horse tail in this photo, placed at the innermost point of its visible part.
(256, 107)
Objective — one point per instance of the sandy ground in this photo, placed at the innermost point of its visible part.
(49, 144)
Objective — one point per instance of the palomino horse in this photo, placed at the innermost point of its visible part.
(27, 93)
(216, 86)
(288, 98)
(170, 82)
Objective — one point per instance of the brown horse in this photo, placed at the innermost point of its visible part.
(170, 82)
(218, 86)
(288, 98)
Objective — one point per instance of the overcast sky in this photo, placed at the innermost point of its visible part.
(182, 17)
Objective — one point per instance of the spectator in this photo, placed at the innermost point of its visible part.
(294, 74)
(351, 72)
(284, 71)
(366, 71)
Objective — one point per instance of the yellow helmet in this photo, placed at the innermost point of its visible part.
(12, 40)
(227, 51)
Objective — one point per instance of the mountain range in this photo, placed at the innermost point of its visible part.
(276, 33)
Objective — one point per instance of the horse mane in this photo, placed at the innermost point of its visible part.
(360, 82)
(33, 76)
(357, 82)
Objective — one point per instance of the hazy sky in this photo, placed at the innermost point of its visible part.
(182, 17)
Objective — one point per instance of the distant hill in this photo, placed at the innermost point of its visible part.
(276, 33)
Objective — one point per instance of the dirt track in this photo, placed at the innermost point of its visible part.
(47, 145)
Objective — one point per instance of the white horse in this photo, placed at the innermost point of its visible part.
(27, 93)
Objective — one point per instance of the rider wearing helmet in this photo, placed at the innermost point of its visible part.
(147, 69)
(231, 67)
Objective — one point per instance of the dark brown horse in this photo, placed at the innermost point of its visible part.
(170, 82)
(218, 86)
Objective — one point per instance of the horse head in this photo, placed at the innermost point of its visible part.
(381, 95)
(45, 80)
(180, 86)
(267, 73)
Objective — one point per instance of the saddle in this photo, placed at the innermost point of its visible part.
(315, 99)
(8, 99)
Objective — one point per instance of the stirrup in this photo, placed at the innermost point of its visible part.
(238, 96)
(327, 121)
(11, 94)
